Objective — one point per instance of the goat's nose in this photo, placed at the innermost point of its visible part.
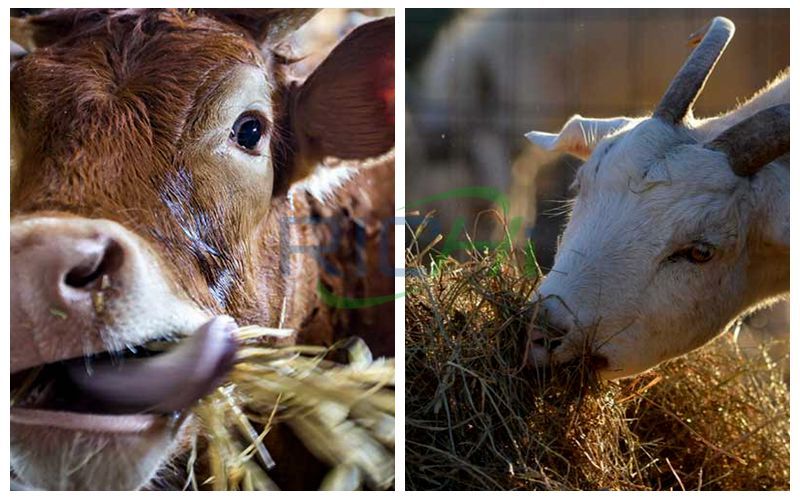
(540, 346)
(545, 334)
(539, 338)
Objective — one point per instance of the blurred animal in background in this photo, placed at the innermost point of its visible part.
(493, 74)
(679, 227)
(172, 177)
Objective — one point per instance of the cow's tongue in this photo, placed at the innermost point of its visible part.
(164, 383)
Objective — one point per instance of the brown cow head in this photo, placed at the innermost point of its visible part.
(152, 153)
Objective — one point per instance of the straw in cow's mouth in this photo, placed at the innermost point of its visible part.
(342, 413)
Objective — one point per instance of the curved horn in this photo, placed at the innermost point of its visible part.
(753, 143)
(691, 78)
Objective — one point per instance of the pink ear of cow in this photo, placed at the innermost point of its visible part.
(345, 109)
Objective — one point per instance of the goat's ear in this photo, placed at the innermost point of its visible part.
(345, 109)
(266, 26)
(579, 136)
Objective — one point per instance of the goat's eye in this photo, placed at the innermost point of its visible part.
(698, 253)
(701, 253)
(247, 131)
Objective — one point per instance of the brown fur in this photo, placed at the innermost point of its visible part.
(105, 111)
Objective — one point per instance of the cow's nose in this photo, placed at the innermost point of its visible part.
(86, 264)
(67, 276)
(81, 286)
(66, 264)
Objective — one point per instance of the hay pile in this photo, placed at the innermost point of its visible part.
(342, 413)
(475, 419)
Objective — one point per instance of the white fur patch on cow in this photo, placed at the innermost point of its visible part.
(324, 181)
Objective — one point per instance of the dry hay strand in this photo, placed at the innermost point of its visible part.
(477, 419)
(342, 413)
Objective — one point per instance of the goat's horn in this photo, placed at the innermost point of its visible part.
(755, 141)
(691, 78)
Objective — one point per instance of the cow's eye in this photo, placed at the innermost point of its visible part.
(697, 253)
(248, 131)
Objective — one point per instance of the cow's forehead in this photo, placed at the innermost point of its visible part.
(114, 104)
(159, 73)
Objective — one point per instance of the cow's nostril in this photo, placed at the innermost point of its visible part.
(95, 266)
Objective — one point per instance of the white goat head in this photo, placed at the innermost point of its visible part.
(677, 229)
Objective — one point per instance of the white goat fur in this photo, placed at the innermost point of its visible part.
(646, 191)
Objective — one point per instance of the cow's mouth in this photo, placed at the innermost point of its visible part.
(125, 392)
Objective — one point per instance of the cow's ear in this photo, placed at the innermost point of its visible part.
(345, 109)
(266, 26)
(579, 136)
